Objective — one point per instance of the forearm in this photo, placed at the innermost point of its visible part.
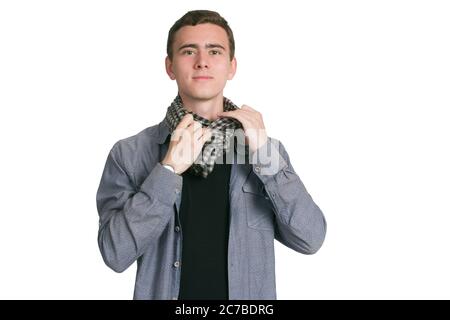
(132, 221)
(300, 222)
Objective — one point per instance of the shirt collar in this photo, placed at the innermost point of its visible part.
(163, 131)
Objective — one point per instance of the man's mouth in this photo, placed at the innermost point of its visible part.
(202, 78)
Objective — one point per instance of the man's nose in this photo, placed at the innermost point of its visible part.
(201, 62)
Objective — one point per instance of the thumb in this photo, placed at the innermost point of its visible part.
(206, 135)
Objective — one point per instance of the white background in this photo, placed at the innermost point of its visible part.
(357, 91)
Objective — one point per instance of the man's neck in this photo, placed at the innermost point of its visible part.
(208, 109)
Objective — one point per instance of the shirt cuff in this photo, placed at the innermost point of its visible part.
(267, 160)
(162, 184)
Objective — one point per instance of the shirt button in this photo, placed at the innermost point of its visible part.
(176, 264)
(257, 169)
(177, 229)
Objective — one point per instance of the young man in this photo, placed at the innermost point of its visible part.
(176, 199)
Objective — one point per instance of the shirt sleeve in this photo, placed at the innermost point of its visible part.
(300, 224)
(132, 217)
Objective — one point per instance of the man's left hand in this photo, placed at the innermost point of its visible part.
(252, 122)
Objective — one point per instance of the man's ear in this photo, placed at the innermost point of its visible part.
(232, 68)
(169, 69)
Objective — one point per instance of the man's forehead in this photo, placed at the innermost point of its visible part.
(201, 34)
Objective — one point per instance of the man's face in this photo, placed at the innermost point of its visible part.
(201, 61)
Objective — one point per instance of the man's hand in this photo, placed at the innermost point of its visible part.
(186, 144)
(252, 121)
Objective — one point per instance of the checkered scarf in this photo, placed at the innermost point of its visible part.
(222, 131)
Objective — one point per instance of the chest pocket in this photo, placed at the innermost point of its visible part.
(260, 214)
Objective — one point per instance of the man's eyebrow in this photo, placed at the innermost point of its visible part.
(214, 45)
(188, 45)
(195, 46)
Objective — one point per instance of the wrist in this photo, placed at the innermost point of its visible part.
(169, 166)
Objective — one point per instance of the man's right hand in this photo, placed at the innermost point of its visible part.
(186, 144)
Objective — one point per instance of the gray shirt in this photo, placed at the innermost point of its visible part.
(138, 199)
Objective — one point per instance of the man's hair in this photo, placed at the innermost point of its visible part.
(193, 18)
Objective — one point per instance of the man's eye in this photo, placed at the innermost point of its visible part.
(214, 52)
(188, 52)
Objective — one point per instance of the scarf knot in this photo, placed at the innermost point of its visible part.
(222, 130)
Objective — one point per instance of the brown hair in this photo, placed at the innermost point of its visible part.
(193, 18)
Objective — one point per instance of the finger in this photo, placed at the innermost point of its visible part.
(247, 110)
(185, 121)
(194, 130)
(194, 126)
(182, 125)
(199, 132)
(206, 136)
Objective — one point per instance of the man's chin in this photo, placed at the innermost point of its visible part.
(203, 96)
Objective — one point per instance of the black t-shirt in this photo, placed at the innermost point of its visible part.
(204, 215)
